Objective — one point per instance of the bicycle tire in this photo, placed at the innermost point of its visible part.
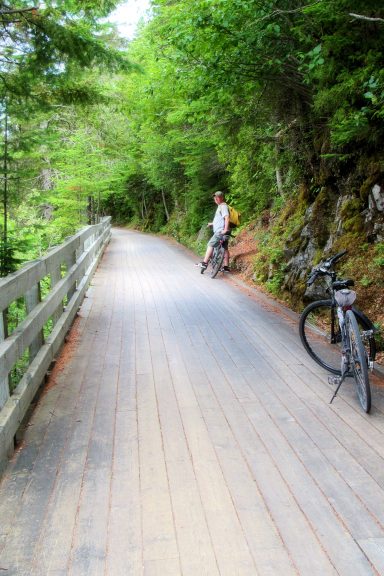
(217, 261)
(321, 336)
(358, 361)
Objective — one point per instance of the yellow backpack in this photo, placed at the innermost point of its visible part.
(234, 216)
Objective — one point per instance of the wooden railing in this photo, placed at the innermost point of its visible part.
(67, 271)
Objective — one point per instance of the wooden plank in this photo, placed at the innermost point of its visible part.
(374, 549)
(159, 538)
(124, 546)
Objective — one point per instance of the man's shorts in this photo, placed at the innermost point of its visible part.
(215, 240)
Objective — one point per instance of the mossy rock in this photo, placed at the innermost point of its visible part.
(366, 188)
(296, 242)
(349, 242)
(322, 217)
(303, 195)
(350, 207)
(353, 225)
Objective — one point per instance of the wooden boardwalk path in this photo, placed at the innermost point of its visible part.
(188, 433)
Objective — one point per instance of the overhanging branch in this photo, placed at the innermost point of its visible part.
(9, 11)
(369, 18)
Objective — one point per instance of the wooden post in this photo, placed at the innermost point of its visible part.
(4, 386)
(71, 260)
(32, 299)
(55, 278)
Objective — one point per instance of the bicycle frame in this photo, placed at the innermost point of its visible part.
(218, 255)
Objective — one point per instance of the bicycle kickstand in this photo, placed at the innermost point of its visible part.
(335, 380)
(338, 380)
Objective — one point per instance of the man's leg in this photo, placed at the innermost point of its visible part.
(214, 241)
(208, 254)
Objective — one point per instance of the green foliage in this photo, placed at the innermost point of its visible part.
(378, 260)
(233, 93)
(366, 281)
(13, 252)
(275, 283)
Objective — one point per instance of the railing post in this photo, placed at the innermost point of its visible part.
(70, 261)
(32, 299)
(55, 278)
(4, 386)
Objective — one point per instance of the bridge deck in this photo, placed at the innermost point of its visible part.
(184, 431)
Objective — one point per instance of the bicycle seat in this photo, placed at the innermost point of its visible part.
(340, 284)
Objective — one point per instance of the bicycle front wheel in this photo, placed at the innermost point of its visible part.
(217, 261)
(358, 361)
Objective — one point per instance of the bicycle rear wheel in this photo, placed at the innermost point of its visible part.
(217, 260)
(321, 336)
(358, 361)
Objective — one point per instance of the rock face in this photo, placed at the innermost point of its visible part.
(322, 229)
(374, 215)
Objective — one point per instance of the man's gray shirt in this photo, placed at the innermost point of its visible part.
(219, 219)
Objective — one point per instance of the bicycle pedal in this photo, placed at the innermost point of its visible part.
(334, 380)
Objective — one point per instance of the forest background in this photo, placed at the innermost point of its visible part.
(279, 103)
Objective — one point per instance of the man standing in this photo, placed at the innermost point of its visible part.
(220, 227)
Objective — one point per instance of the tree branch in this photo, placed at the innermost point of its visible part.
(369, 18)
(277, 12)
(15, 11)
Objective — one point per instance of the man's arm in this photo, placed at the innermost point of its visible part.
(226, 225)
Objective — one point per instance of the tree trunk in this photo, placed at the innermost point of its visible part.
(165, 205)
(279, 177)
(144, 212)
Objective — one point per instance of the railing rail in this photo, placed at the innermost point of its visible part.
(68, 269)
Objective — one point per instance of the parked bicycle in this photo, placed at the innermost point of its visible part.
(216, 261)
(338, 336)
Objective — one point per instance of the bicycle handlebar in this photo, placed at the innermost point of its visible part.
(324, 268)
(336, 257)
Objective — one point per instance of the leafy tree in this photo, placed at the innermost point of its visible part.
(45, 52)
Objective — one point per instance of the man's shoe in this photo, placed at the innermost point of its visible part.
(226, 269)
(203, 266)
